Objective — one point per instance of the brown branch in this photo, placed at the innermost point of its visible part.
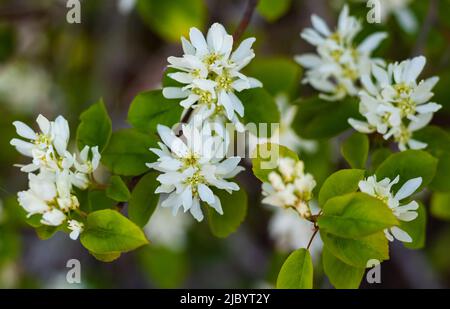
(312, 238)
(251, 5)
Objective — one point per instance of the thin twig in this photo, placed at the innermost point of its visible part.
(312, 238)
(429, 22)
(251, 5)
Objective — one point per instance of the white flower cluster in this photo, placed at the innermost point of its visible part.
(53, 172)
(396, 105)
(338, 65)
(210, 73)
(404, 212)
(191, 166)
(290, 187)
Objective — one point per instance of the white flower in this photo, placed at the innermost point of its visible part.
(338, 65)
(291, 232)
(189, 168)
(404, 212)
(168, 230)
(125, 6)
(50, 192)
(76, 227)
(404, 15)
(289, 187)
(211, 74)
(396, 105)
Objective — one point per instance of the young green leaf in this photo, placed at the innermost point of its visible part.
(107, 257)
(117, 189)
(317, 118)
(265, 159)
(355, 150)
(143, 200)
(357, 252)
(234, 211)
(150, 108)
(297, 271)
(440, 205)
(128, 151)
(95, 127)
(341, 275)
(408, 164)
(45, 232)
(107, 232)
(438, 141)
(260, 108)
(272, 10)
(340, 183)
(173, 18)
(416, 229)
(355, 215)
(98, 200)
(283, 80)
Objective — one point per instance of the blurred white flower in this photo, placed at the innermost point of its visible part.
(76, 228)
(396, 105)
(126, 6)
(210, 71)
(24, 87)
(291, 232)
(289, 187)
(404, 15)
(190, 167)
(338, 65)
(404, 212)
(168, 230)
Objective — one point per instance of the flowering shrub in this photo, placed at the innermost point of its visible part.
(184, 156)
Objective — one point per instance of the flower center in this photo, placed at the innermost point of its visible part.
(190, 160)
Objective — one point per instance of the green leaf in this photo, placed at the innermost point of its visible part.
(165, 268)
(128, 151)
(265, 159)
(297, 271)
(440, 205)
(438, 142)
(340, 183)
(355, 215)
(234, 211)
(150, 108)
(45, 232)
(117, 189)
(260, 108)
(416, 229)
(283, 80)
(408, 164)
(107, 232)
(341, 275)
(378, 157)
(95, 127)
(143, 200)
(272, 10)
(355, 150)
(172, 19)
(98, 200)
(317, 118)
(357, 252)
(107, 257)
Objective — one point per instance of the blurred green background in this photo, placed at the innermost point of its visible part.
(120, 48)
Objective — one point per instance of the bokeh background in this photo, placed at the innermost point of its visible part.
(120, 48)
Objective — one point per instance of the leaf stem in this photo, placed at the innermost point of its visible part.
(316, 229)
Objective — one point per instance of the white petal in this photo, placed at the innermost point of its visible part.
(196, 210)
(44, 124)
(243, 51)
(174, 93)
(198, 41)
(206, 194)
(320, 25)
(415, 68)
(408, 188)
(24, 130)
(372, 42)
(217, 205)
(401, 234)
(23, 147)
